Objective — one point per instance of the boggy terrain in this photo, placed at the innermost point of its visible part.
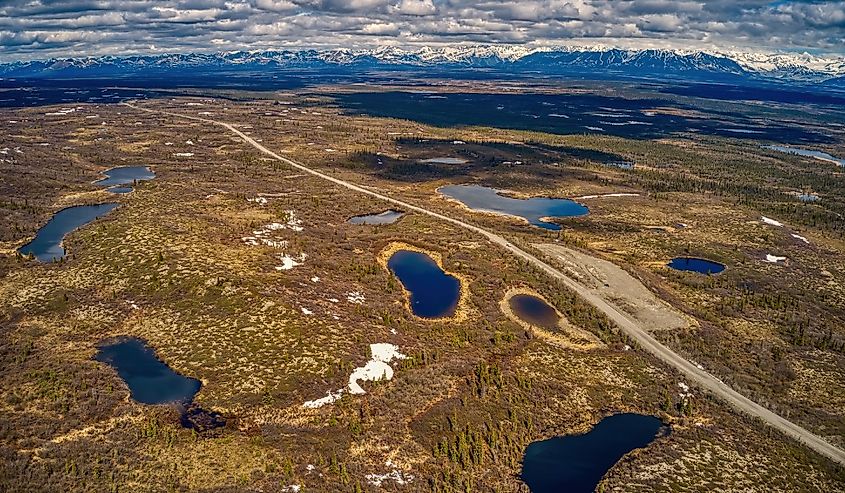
(243, 273)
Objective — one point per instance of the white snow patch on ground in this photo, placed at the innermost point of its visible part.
(315, 279)
(685, 391)
(378, 368)
(168, 143)
(322, 401)
(393, 475)
(774, 258)
(189, 142)
(183, 154)
(771, 221)
(802, 238)
(292, 488)
(258, 200)
(289, 262)
(61, 112)
(292, 223)
(306, 311)
(355, 297)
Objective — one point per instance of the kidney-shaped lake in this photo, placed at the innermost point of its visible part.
(434, 293)
(576, 463)
(150, 381)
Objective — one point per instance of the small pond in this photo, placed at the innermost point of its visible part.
(117, 178)
(150, 381)
(822, 156)
(434, 294)
(576, 463)
(387, 217)
(534, 210)
(692, 264)
(444, 160)
(47, 245)
(534, 310)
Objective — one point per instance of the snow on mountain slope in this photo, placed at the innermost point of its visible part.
(800, 67)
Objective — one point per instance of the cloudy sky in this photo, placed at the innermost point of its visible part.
(31, 29)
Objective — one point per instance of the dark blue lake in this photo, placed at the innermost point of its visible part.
(534, 310)
(47, 245)
(150, 381)
(124, 175)
(533, 210)
(576, 463)
(700, 265)
(386, 217)
(434, 294)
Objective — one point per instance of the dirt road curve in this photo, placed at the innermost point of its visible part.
(630, 327)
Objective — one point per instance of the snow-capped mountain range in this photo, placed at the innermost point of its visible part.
(801, 68)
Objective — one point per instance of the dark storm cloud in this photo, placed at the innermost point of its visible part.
(44, 28)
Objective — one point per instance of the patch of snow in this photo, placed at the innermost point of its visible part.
(330, 398)
(168, 143)
(378, 368)
(774, 258)
(183, 154)
(685, 391)
(393, 475)
(315, 279)
(258, 200)
(289, 262)
(334, 300)
(802, 238)
(292, 488)
(355, 297)
(61, 112)
(293, 223)
(306, 311)
(189, 142)
(771, 221)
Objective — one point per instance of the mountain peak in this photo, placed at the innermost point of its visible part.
(796, 67)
